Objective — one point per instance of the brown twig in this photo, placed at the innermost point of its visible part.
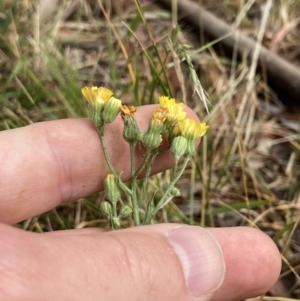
(282, 77)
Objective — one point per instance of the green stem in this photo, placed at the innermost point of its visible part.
(166, 198)
(192, 194)
(149, 205)
(147, 176)
(173, 170)
(114, 211)
(135, 205)
(102, 140)
(143, 164)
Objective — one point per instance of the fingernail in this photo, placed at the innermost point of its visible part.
(201, 258)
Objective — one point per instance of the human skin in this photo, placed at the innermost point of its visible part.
(46, 164)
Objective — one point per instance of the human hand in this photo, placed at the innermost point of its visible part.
(48, 163)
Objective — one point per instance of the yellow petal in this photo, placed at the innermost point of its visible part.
(192, 129)
(90, 93)
(127, 111)
(104, 94)
(175, 110)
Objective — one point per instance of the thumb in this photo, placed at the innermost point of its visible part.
(158, 262)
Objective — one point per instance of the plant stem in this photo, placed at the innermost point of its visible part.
(166, 196)
(149, 205)
(173, 170)
(143, 164)
(148, 172)
(102, 140)
(135, 205)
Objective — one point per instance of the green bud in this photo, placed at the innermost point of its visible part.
(111, 189)
(152, 139)
(191, 145)
(131, 131)
(179, 147)
(175, 192)
(106, 209)
(125, 211)
(115, 222)
(111, 110)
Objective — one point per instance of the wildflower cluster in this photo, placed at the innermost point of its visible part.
(168, 129)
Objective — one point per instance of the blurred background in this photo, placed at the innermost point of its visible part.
(235, 62)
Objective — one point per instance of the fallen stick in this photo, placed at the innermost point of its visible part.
(282, 77)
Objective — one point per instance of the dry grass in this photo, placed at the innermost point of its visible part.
(246, 171)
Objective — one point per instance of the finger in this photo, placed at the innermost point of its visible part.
(48, 163)
(158, 262)
(253, 263)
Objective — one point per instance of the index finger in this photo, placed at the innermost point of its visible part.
(48, 163)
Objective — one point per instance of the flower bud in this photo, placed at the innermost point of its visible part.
(115, 222)
(106, 209)
(111, 110)
(125, 211)
(111, 189)
(175, 192)
(152, 139)
(131, 132)
(97, 97)
(179, 147)
(191, 146)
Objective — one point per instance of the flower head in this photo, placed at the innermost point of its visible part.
(127, 111)
(152, 138)
(175, 110)
(131, 132)
(191, 129)
(159, 115)
(96, 95)
(104, 106)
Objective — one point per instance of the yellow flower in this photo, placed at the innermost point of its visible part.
(159, 115)
(175, 110)
(94, 94)
(127, 111)
(152, 137)
(104, 107)
(191, 129)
